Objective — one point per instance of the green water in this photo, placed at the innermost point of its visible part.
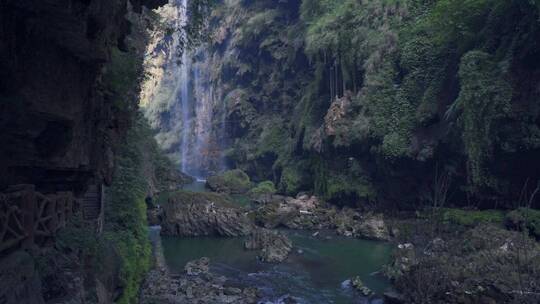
(196, 186)
(313, 276)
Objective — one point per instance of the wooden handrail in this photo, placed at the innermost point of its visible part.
(28, 218)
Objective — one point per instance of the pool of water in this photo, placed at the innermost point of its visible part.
(314, 273)
(198, 185)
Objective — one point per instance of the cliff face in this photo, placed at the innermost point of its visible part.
(376, 103)
(58, 121)
(68, 80)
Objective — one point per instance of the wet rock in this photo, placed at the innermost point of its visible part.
(197, 267)
(392, 297)
(197, 285)
(357, 284)
(403, 258)
(373, 227)
(368, 226)
(274, 247)
(203, 214)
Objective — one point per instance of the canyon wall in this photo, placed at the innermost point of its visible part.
(68, 109)
(380, 104)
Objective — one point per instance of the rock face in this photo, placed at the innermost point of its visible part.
(203, 214)
(308, 212)
(198, 285)
(274, 246)
(57, 121)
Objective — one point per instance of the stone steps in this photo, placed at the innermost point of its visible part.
(91, 203)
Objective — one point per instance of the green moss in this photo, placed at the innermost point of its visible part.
(125, 230)
(525, 219)
(121, 74)
(272, 139)
(291, 180)
(470, 218)
(78, 237)
(266, 187)
(232, 181)
(485, 99)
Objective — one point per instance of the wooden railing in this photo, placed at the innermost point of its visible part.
(29, 218)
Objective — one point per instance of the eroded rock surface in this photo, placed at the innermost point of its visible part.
(308, 212)
(197, 285)
(203, 214)
(274, 246)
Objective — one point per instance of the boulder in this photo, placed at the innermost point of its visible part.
(203, 214)
(196, 285)
(274, 246)
(368, 226)
(403, 259)
(197, 267)
(304, 202)
(373, 227)
(231, 182)
(357, 284)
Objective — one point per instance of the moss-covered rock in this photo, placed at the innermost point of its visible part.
(233, 182)
(203, 214)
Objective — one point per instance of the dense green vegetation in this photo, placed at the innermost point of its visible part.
(372, 101)
(125, 214)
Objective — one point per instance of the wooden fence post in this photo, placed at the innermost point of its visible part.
(28, 207)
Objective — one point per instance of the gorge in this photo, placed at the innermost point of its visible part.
(269, 151)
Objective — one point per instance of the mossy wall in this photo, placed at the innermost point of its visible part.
(385, 95)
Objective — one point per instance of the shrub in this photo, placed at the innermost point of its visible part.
(524, 219)
(233, 181)
(266, 187)
(471, 218)
(291, 181)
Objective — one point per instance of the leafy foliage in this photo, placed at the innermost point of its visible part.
(265, 187)
(125, 212)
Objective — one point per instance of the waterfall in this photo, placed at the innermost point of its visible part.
(178, 97)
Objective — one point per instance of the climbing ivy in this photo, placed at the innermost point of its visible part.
(485, 99)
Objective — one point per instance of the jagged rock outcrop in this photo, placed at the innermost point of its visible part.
(309, 212)
(200, 286)
(368, 226)
(274, 246)
(58, 121)
(203, 214)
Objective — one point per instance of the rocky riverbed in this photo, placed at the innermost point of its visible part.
(196, 285)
